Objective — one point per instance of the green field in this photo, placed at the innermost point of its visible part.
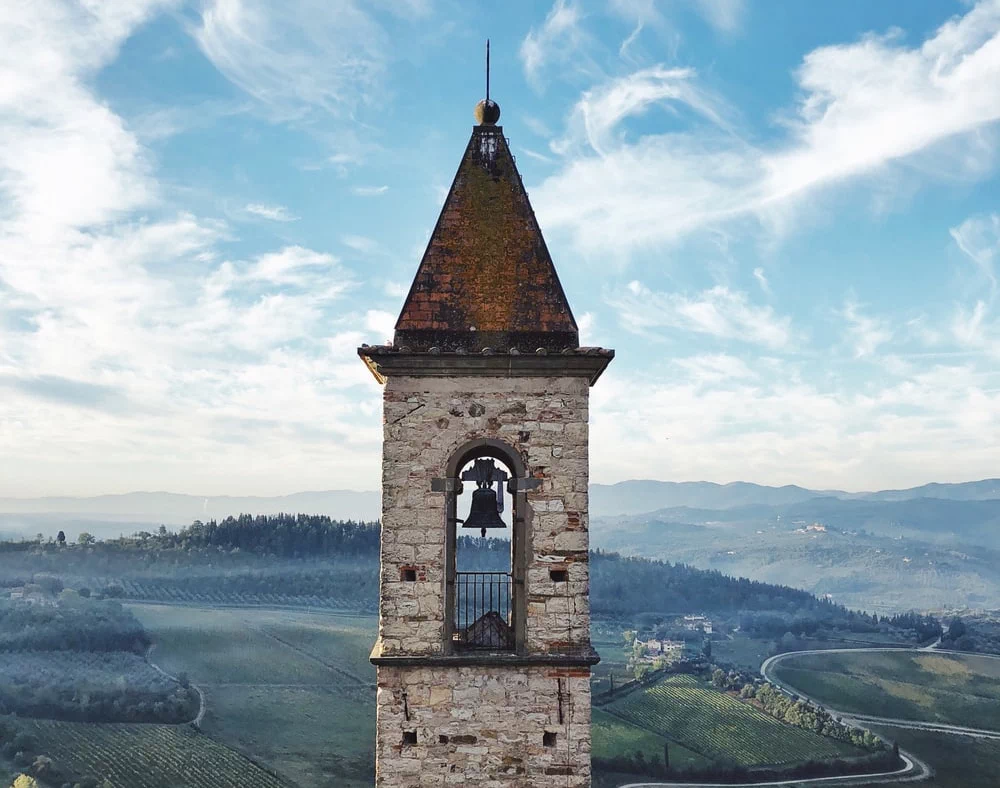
(294, 689)
(720, 727)
(613, 736)
(957, 761)
(136, 755)
(613, 661)
(955, 689)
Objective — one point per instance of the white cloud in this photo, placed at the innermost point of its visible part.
(396, 289)
(718, 312)
(113, 302)
(724, 15)
(866, 333)
(783, 423)
(761, 277)
(558, 39)
(600, 111)
(714, 367)
(295, 265)
(969, 327)
(360, 243)
(275, 213)
(298, 55)
(382, 324)
(585, 323)
(979, 238)
(370, 191)
(865, 108)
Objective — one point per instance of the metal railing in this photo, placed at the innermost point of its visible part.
(483, 611)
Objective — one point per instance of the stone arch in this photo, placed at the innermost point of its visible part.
(486, 447)
(516, 609)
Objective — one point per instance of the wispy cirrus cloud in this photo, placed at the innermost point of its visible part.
(274, 213)
(600, 111)
(979, 238)
(916, 105)
(370, 191)
(296, 56)
(761, 277)
(717, 312)
(557, 41)
(865, 333)
(977, 326)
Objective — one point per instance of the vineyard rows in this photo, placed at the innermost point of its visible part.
(148, 756)
(721, 727)
(139, 590)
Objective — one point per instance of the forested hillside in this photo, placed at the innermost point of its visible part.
(315, 560)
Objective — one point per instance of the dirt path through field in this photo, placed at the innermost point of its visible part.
(201, 695)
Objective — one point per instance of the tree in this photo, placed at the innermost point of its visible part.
(84, 592)
(706, 648)
(86, 539)
(666, 755)
(61, 538)
(24, 781)
(719, 678)
(956, 628)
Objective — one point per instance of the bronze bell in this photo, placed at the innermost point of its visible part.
(483, 512)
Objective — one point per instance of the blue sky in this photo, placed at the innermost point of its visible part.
(783, 216)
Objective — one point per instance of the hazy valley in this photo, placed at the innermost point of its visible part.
(933, 546)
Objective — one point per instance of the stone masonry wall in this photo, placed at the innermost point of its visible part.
(425, 421)
(483, 726)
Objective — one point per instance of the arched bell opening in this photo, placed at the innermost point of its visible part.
(486, 545)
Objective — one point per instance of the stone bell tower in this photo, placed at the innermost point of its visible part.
(484, 677)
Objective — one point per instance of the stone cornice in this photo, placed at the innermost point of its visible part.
(580, 658)
(385, 361)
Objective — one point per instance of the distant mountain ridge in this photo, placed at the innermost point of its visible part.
(641, 496)
(113, 515)
(635, 496)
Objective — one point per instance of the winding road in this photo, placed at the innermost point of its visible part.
(913, 769)
(859, 720)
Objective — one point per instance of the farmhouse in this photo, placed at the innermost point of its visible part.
(698, 622)
(484, 677)
(654, 649)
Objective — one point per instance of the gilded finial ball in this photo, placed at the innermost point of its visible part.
(487, 112)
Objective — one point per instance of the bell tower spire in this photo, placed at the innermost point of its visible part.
(484, 676)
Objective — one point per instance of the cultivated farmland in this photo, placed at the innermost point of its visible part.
(949, 688)
(293, 689)
(614, 737)
(722, 728)
(148, 756)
